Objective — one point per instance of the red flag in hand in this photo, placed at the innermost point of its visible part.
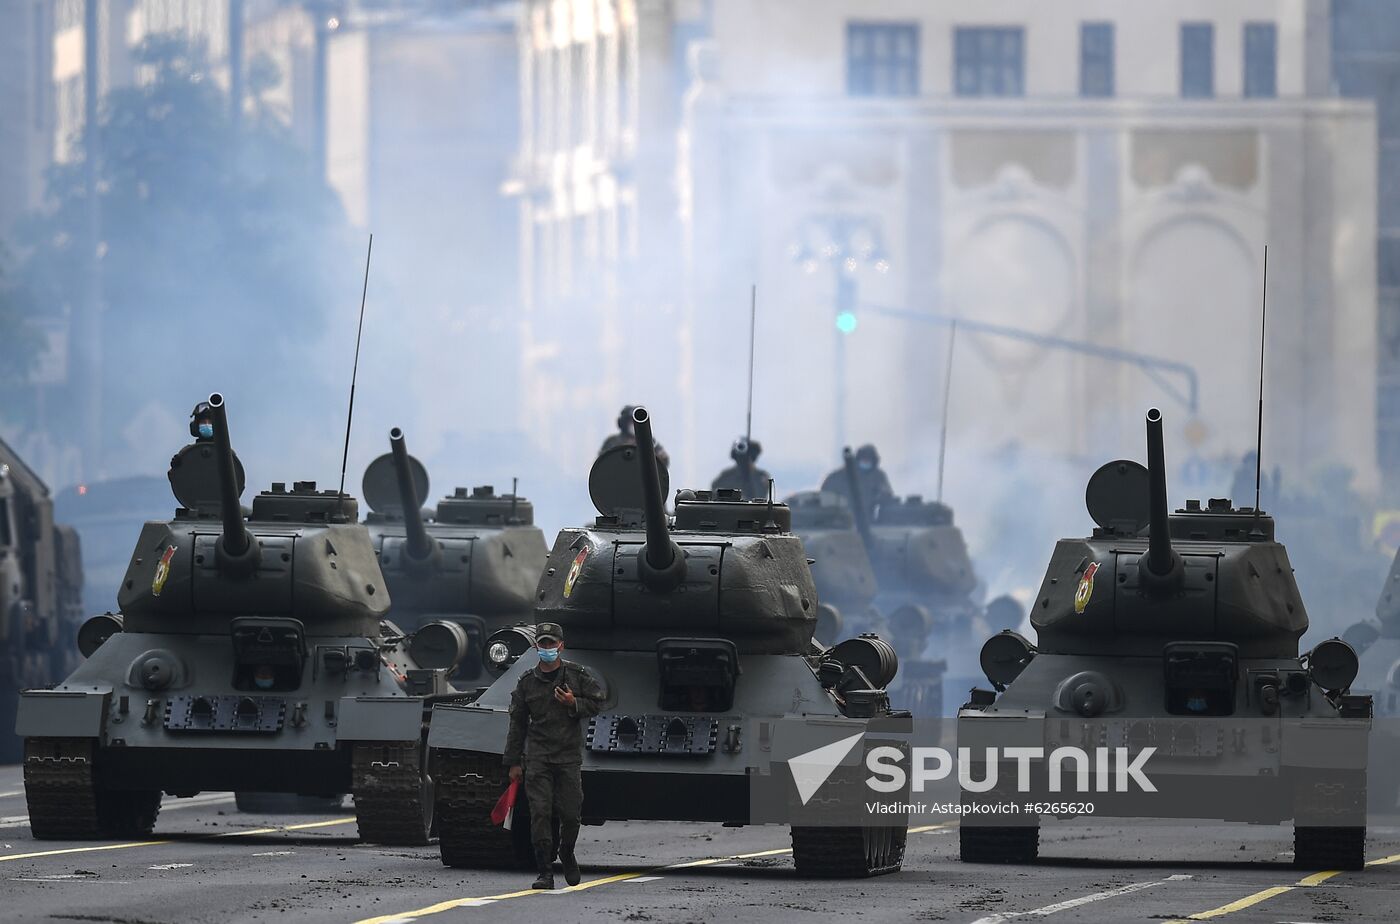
(504, 812)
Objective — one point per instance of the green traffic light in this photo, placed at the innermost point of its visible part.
(846, 322)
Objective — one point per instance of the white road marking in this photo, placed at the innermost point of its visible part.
(275, 853)
(171, 866)
(646, 879)
(1077, 902)
(13, 792)
(169, 805)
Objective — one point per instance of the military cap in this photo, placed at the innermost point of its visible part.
(549, 632)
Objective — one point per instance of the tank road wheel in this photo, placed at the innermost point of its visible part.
(59, 790)
(849, 852)
(469, 785)
(393, 793)
(1011, 844)
(286, 803)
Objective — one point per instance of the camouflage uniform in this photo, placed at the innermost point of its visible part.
(550, 736)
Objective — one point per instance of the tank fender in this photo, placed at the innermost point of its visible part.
(379, 718)
(62, 713)
(469, 728)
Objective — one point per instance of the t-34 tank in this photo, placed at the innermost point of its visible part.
(925, 581)
(697, 632)
(1168, 644)
(845, 580)
(251, 655)
(466, 570)
(1377, 643)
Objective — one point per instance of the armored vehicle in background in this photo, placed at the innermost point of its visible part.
(845, 580)
(925, 581)
(466, 569)
(1170, 643)
(41, 592)
(1377, 643)
(251, 653)
(700, 634)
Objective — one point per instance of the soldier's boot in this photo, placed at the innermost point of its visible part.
(571, 870)
(545, 864)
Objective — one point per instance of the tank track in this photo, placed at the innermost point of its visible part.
(848, 852)
(393, 793)
(1320, 848)
(469, 785)
(65, 803)
(1009, 844)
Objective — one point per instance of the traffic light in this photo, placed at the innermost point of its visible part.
(846, 321)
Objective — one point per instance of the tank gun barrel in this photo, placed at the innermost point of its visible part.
(420, 544)
(663, 560)
(238, 550)
(1161, 560)
(858, 511)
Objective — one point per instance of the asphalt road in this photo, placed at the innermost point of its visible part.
(207, 862)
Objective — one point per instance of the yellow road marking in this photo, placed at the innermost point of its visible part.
(1308, 881)
(593, 883)
(202, 837)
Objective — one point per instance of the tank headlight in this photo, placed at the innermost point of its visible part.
(499, 653)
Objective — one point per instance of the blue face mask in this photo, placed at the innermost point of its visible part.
(548, 655)
(206, 431)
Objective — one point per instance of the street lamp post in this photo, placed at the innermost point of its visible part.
(846, 243)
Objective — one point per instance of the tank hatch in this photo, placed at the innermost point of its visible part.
(726, 511)
(303, 504)
(1219, 521)
(819, 510)
(482, 506)
(913, 511)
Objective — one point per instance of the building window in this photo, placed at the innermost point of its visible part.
(1260, 59)
(1096, 59)
(989, 62)
(882, 59)
(1197, 60)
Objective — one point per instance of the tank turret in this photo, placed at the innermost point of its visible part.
(729, 565)
(1146, 576)
(472, 560)
(210, 563)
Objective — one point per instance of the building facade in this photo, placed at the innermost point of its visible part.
(1093, 183)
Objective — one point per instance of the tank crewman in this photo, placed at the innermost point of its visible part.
(744, 475)
(202, 422)
(874, 483)
(548, 709)
(626, 435)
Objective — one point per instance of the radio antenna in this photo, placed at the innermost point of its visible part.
(753, 320)
(1259, 433)
(947, 392)
(355, 371)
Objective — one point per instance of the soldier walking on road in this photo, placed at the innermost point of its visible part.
(545, 745)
